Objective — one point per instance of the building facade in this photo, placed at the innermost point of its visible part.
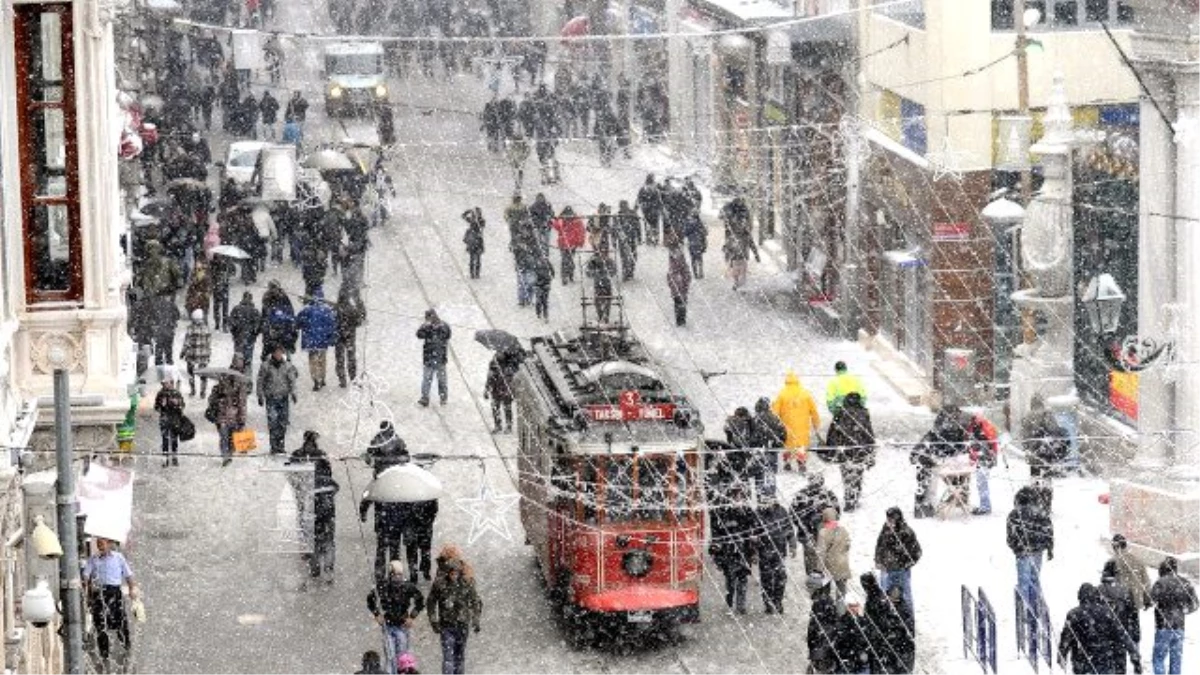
(64, 277)
(937, 78)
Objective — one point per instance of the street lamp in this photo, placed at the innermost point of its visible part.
(1103, 300)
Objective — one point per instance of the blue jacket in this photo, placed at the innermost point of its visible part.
(318, 325)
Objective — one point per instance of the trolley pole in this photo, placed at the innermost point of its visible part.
(70, 586)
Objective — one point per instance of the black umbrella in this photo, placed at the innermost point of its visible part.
(498, 340)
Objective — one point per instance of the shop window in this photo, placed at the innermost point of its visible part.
(912, 126)
(42, 38)
(911, 12)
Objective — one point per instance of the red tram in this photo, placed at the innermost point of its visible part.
(611, 481)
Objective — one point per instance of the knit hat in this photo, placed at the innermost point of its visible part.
(396, 568)
(406, 661)
(197, 315)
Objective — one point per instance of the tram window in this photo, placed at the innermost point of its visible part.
(683, 483)
(562, 481)
(588, 492)
(618, 489)
(652, 488)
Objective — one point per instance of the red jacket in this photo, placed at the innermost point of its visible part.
(984, 433)
(571, 232)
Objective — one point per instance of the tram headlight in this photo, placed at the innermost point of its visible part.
(637, 563)
(380, 91)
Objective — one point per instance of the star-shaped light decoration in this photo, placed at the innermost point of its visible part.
(948, 162)
(487, 512)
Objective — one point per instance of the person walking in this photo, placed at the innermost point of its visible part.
(436, 336)
(766, 439)
(325, 488)
(421, 515)
(165, 319)
(629, 236)
(1047, 445)
(473, 240)
(395, 603)
(808, 508)
(946, 439)
(842, 385)
(696, 233)
(601, 269)
(297, 108)
(795, 407)
(984, 449)
(850, 443)
(649, 200)
(540, 215)
(199, 290)
(350, 313)
(1174, 598)
(278, 320)
(517, 150)
(1131, 572)
(777, 543)
(856, 639)
(318, 332)
(498, 388)
(1093, 639)
(1118, 601)
(679, 280)
(277, 390)
(169, 405)
(104, 574)
(821, 634)
(732, 544)
(245, 323)
(221, 270)
(833, 549)
(1030, 534)
(268, 110)
(454, 609)
(543, 277)
(571, 234)
(227, 407)
(196, 352)
(739, 240)
(897, 551)
(892, 621)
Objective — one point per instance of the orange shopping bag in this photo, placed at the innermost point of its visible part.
(244, 440)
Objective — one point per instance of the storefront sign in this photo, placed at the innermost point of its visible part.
(951, 231)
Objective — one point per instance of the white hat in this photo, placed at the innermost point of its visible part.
(197, 315)
(396, 567)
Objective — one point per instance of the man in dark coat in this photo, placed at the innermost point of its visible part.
(629, 235)
(386, 450)
(807, 507)
(731, 545)
(1174, 598)
(351, 313)
(394, 604)
(419, 536)
(498, 388)
(601, 269)
(1030, 533)
(851, 439)
(389, 532)
(896, 552)
(268, 109)
(777, 543)
(857, 640)
(821, 634)
(1093, 639)
(892, 620)
(1118, 599)
(434, 354)
(767, 433)
(649, 200)
(947, 438)
(245, 323)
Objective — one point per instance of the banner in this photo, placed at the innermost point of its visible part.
(105, 496)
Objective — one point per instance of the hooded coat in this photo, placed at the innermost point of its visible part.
(822, 631)
(897, 547)
(833, 548)
(796, 409)
(1093, 638)
(851, 437)
(897, 650)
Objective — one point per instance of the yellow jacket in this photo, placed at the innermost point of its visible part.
(841, 386)
(796, 408)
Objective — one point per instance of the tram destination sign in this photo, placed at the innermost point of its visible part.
(629, 408)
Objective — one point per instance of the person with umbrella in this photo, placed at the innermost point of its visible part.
(498, 388)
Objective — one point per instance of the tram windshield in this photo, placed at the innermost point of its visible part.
(646, 487)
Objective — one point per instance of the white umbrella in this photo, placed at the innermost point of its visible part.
(404, 483)
(328, 159)
(230, 251)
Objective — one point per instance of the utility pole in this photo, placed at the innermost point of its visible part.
(1023, 90)
(851, 293)
(70, 586)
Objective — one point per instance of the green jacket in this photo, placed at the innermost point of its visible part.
(841, 386)
(453, 604)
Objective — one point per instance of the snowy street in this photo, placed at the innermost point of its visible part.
(226, 593)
